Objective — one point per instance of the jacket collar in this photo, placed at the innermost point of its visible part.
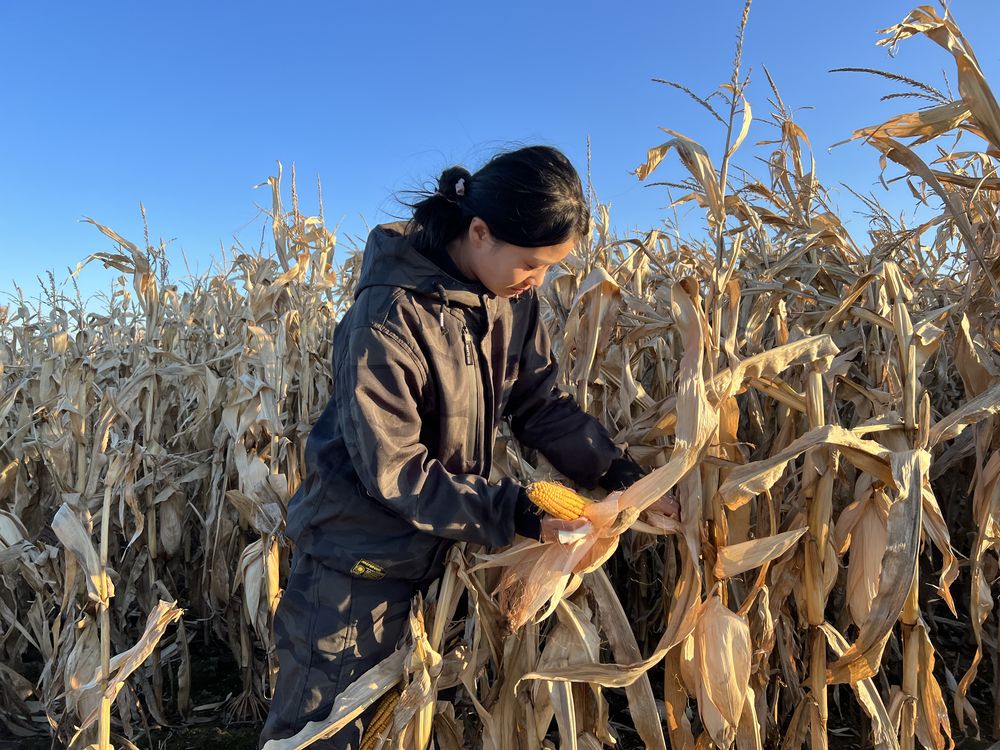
(390, 259)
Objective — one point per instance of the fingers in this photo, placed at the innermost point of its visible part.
(671, 507)
(667, 506)
(558, 524)
(558, 530)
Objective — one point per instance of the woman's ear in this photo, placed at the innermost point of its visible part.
(479, 233)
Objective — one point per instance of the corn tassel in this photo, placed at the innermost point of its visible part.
(556, 500)
(381, 721)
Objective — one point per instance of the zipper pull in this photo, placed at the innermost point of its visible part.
(467, 345)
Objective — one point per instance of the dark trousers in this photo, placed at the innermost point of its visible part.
(329, 629)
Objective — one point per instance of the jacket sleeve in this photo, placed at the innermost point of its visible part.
(378, 387)
(544, 417)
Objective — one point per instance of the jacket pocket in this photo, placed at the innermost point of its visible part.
(416, 559)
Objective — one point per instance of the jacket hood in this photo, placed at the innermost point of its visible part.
(390, 259)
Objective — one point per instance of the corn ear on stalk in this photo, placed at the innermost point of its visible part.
(381, 721)
(556, 500)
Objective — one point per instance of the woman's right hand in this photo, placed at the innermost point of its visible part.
(552, 526)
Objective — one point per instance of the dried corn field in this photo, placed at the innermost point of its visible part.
(823, 406)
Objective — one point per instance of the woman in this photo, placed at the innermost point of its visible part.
(443, 340)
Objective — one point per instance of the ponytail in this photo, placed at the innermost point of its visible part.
(439, 218)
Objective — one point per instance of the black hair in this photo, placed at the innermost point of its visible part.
(531, 197)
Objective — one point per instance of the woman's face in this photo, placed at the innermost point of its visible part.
(506, 270)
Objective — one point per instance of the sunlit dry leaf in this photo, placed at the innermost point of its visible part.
(125, 663)
(863, 658)
(74, 538)
(734, 559)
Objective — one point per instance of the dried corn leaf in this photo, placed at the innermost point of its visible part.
(734, 559)
(125, 663)
(623, 645)
(75, 538)
(883, 731)
(863, 658)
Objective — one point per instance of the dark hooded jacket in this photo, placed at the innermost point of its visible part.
(425, 367)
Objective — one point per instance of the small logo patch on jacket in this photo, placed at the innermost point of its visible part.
(368, 569)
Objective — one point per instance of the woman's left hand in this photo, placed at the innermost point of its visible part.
(667, 506)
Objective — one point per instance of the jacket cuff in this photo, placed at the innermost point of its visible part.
(622, 473)
(527, 517)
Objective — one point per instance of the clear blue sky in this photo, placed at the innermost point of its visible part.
(185, 106)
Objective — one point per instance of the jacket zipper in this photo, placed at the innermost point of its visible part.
(467, 344)
(486, 380)
(476, 407)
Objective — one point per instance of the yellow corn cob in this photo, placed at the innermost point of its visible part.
(381, 721)
(557, 500)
